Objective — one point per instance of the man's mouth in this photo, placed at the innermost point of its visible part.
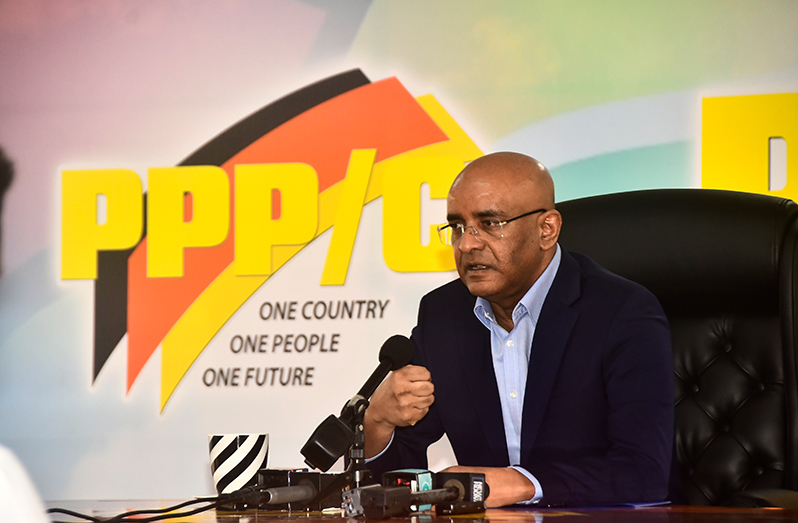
(476, 267)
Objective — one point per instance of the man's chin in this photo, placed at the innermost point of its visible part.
(479, 286)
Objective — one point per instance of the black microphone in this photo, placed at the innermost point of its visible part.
(396, 352)
(334, 436)
(453, 493)
(289, 494)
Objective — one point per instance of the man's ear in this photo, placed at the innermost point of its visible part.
(550, 229)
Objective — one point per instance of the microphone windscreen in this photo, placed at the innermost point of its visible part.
(397, 350)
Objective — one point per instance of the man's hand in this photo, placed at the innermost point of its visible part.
(507, 486)
(402, 399)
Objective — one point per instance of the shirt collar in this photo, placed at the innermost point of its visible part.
(531, 303)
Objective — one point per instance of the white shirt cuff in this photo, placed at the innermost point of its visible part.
(369, 460)
(538, 489)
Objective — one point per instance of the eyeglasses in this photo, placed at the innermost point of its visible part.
(452, 233)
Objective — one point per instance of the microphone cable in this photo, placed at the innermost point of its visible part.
(250, 495)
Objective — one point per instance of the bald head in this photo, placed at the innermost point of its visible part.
(517, 170)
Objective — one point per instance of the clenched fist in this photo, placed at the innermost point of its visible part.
(402, 399)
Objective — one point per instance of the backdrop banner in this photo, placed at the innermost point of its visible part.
(220, 211)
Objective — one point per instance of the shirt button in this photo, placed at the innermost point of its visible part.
(513, 394)
(510, 344)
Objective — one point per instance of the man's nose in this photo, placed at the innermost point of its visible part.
(471, 240)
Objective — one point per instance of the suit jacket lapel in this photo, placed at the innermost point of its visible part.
(555, 323)
(477, 366)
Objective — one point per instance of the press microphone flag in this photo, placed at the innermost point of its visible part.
(335, 435)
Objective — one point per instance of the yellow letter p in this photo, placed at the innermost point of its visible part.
(81, 234)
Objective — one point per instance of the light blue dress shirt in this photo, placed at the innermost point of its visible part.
(510, 352)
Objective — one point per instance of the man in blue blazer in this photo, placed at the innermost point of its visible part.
(548, 373)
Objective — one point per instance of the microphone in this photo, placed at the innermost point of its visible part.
(386, 502)
(335, 435)
(289, 494)
(453, 493)
(395, 353)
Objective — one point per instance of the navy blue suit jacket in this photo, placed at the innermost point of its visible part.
(597, 422)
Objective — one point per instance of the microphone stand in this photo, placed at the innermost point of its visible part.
(335, 435)
(361, 475)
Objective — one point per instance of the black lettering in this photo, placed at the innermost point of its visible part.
(266, 310)
(236, 344)
(316, 313)
(318, 310)
(260, 376)
(280, 310)
(382, 306)
(337, 310)
(297, 376)
(371, 309)
(348, 310)
(259, 381)
(250, 343)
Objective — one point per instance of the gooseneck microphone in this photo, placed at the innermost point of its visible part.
(335, 435)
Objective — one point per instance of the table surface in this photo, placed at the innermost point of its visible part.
(663, 514)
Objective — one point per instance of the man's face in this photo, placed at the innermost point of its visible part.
(500, 270)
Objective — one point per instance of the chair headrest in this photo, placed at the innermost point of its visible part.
(695, 249)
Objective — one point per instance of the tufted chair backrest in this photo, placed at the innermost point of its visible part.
(724, 266)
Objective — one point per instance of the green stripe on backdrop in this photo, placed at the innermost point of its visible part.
(507, 64)
(657, 166)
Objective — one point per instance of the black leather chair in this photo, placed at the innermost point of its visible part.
(724, 266)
